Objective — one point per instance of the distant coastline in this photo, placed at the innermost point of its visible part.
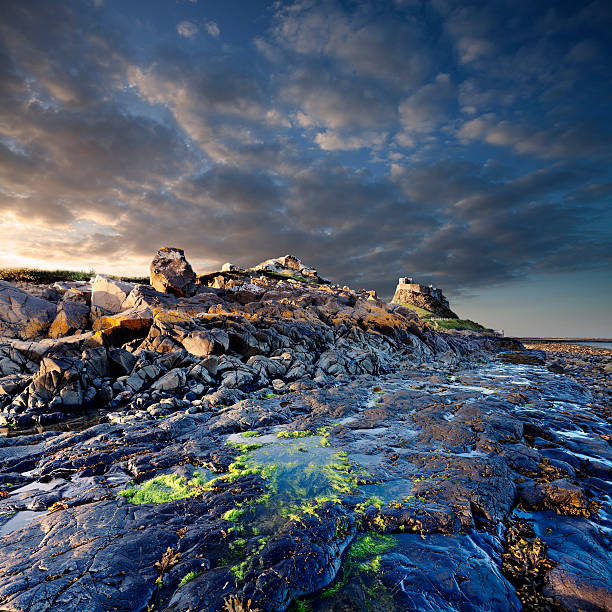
(550, 339)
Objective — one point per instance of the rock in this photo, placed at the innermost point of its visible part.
(429, 298)
(23, 315)
(108, 295)
(582, 577)
(123, 327)
(96, 362)
(462, 571)
(172, 273)
(229, 267)
(16, 383)
(200, 374)
(122, 362)
(173, 380)
(77, 291)
(59, 376)
(199, 343)
(66, 345)
(72, 318)
(142, 376)
(8, 367)
(291, 266)
(556, 367)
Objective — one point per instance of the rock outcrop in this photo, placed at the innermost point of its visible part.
(108, 295)
(72, 318)
(273, 325)
(172, 273)
(291, 266)
(23, 315)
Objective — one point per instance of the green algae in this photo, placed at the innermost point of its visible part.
(164, 488)
(300, 476)
(362, 565)
(251, 433)
(188, 578)
(233, 515)
(370, 544)
(299, 433)
(240, 569)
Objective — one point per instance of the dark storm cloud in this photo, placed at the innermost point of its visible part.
(456, 142)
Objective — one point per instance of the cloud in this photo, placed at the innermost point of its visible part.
(337, 103)
(428, 107)
(111, 143)
(213, 29)
(363, 41)
(580, 138)
(187, 29)
(334, 141)
(471, 49)
(219, 104)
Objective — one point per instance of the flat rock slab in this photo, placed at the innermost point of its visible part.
(437, 463)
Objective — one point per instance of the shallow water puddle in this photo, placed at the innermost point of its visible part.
(18, 521)
(393, 490)
(39, 486)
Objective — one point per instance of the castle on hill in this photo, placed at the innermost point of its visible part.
(429, 297)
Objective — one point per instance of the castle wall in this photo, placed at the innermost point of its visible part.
(421, 295)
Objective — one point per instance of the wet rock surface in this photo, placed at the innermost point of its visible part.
(388, 492)
(275, 439)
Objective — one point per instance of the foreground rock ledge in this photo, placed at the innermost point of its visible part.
(275, 439)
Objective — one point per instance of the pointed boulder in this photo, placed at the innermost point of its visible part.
(172, 273)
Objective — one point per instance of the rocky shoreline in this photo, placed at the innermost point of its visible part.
(264, 440)
(591, 366)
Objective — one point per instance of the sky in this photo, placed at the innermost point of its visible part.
(465, 144)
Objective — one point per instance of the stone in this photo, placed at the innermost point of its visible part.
(290, 266)
(123, 327)
(200, 374)
(556, 367)
(72, 318)
(174, 379)
(66, 345)
(96, 362)
(74, 290)
(172, 273)
(108, 295)
(229, 267)
(16, 383)
(8, 367)
(59, 376)
(199, 343)
(23, 315)
(121, 362)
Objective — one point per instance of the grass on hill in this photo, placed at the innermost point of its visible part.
(48, 277)
(422, 312)
(458, 324)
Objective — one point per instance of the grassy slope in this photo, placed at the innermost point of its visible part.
(458, 324)
(446, 324)
(47, 277)
(424, 314)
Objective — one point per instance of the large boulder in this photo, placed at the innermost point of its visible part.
(23, 315)
(172, 273)
(72, 318)
(108, 295)
(59, 377)
(117, 329)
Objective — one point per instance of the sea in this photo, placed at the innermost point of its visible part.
(607, 345)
